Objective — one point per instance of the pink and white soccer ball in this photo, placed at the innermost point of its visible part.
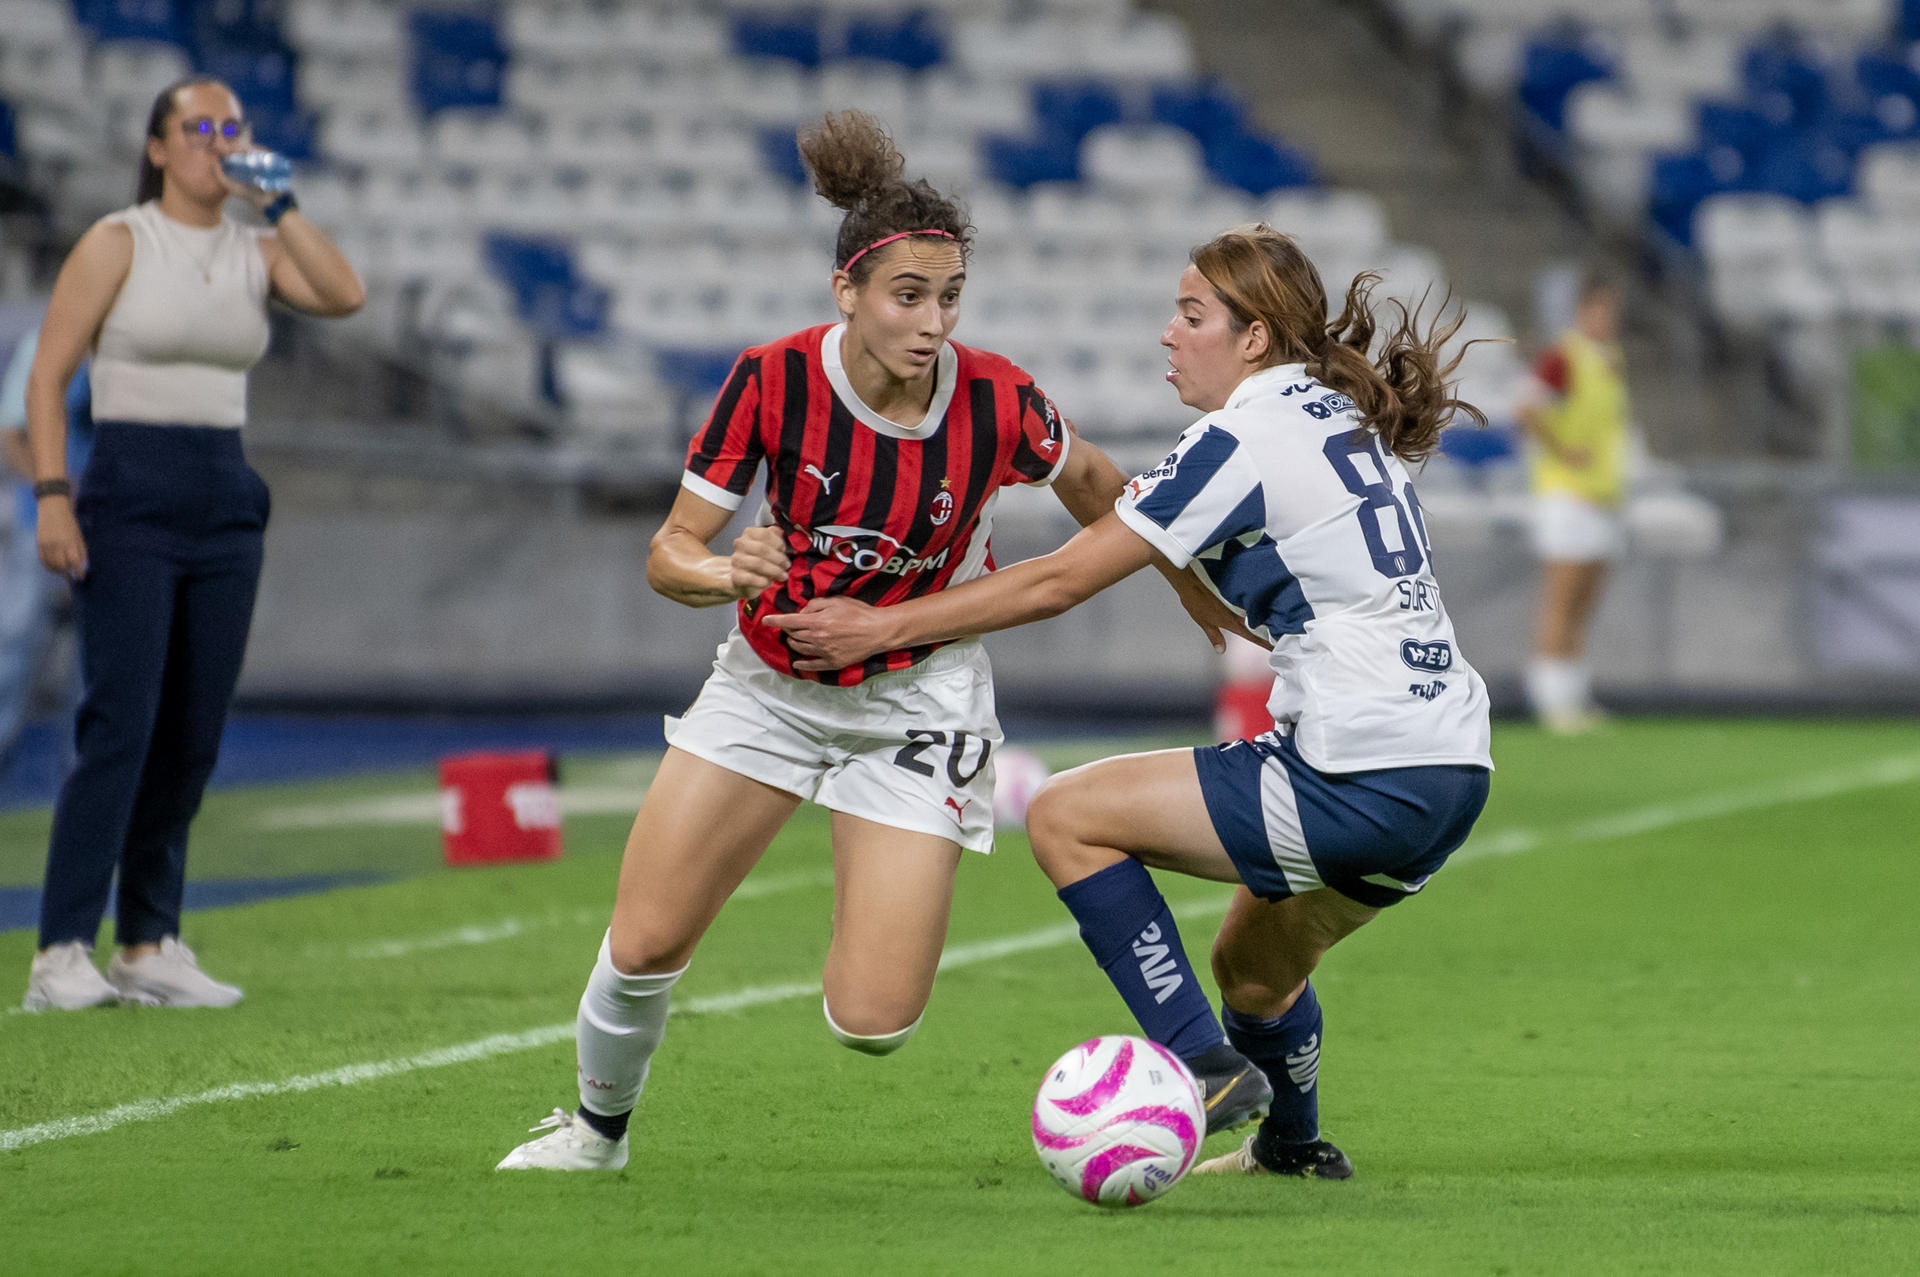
(1118, 1121)
(1017, 777)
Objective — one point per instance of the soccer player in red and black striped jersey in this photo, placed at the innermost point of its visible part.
(866, 506)
(884, 445)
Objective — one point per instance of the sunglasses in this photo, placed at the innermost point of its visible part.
(202, 130)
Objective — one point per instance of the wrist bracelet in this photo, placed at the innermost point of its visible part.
(278, 207)
(52, 488)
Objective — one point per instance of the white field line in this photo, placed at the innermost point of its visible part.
(957, 956)
(1888, 771)
(508, 928)
(1878, 774)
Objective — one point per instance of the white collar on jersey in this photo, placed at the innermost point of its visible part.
(1266, 383)
(943, 386)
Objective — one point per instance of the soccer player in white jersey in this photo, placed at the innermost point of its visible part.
(1291, 501)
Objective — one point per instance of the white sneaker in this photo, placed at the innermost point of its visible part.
(572, 1146)
(63, 978)
(169, 978)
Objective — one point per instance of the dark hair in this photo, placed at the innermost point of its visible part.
(152, 176)
(857, 167)
(1261, 275)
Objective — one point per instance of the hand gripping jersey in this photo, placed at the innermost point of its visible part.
(1292, 512)
(871, 509)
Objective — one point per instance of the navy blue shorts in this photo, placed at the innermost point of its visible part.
(1373, 836)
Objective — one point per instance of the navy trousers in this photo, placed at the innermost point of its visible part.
(174, 518)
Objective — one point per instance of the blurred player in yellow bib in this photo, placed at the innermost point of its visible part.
(1578, 423)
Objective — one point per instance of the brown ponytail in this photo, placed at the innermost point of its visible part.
(1261, 276)
(857, 167)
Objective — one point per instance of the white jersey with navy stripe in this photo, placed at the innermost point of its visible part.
(1286, 507)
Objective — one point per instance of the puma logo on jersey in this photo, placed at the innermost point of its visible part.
(1157, 968)
(826, 480)
(1303, 1066)
(959, 809)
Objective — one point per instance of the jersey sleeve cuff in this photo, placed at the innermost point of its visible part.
(709, 491)
(1066, 447)
(1152, 533)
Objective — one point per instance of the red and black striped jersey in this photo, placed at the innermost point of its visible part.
(871, 509)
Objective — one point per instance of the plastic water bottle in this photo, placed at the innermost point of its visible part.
(264, 170)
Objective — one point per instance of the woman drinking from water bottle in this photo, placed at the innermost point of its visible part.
(161, 536)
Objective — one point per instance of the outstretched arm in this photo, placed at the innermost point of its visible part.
(1088, 485)
(833, 633)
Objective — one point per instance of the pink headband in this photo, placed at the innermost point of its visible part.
(888, 240)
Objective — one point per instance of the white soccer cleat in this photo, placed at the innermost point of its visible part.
(570, 1145)
(169, 978)
(63, 978)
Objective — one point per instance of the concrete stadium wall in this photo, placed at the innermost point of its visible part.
(423, 594)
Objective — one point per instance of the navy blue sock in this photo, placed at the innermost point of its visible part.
(611, 1125)
(1130, 930)
(1288, 1052)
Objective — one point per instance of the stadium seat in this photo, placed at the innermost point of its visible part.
(1143, 160)
(458, 60)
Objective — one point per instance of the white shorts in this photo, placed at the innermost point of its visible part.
(1567, 529)
(912, 749)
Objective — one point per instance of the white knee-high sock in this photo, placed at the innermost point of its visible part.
(622, 1019)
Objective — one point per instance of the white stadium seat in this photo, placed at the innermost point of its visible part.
(1752, 232)
(1151, 161)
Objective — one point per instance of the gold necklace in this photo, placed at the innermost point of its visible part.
(186, 246)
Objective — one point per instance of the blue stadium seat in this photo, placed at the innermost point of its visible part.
(8, 143)
(780, 152)
(215, 25)
(458, 61)
(1808, 168)
(1552, 66)
(1477, 447)
(263, 78)
(130, 19)
(915, 39)
(1681, 182)
(696, 372)
(551, 295)
(1070, 109)
(287, 130)
(794, 36)
(1257, 165)
(1741, 128)
(1785, 84)
(1021, 162)
(1206, 109)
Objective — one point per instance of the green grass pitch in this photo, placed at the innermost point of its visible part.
(1662, 1015)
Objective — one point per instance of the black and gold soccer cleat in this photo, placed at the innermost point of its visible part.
(1232, 1088)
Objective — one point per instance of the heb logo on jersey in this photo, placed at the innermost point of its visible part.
(1436, 657)
(871, 551)
(1327, 407)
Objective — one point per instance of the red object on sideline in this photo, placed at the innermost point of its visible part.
(499, 807)
(1240, 709)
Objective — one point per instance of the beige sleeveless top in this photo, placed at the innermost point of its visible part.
(189, 321)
